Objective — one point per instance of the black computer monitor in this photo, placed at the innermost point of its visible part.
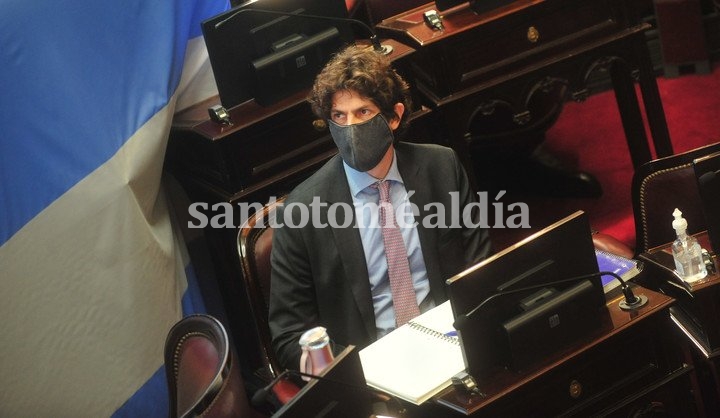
(707, 171)
(341, 393)
(515, 328)
(267, 57)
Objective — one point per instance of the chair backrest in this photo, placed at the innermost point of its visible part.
(660, 186)
(254, 247)
(202, 373)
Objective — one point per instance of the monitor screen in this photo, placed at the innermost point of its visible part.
(265, 56)
(511, 312)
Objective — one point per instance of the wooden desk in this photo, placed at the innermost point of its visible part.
(621, 370)
(696, 314)
(699, 300)
(502, 57)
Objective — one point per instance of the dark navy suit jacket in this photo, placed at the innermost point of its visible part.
(319, 275)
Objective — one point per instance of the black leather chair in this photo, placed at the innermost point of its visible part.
(660, 186)
(202, 373)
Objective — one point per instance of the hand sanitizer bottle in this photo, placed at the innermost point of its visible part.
(687, 252)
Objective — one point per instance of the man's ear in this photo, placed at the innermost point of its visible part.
(399, 109)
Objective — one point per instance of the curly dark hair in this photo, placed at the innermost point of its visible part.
(368, 73)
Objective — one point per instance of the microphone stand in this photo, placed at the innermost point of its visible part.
(377, 46)
(630, 301)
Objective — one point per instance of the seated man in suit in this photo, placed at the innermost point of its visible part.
(332, 266)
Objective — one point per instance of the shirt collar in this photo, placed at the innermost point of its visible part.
(360, 180)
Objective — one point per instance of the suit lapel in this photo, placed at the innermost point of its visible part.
(352, 255)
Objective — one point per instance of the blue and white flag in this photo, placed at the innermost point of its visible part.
(93, 273)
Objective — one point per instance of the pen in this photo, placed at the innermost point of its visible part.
(451, 334)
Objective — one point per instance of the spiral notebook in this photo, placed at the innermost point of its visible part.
(626, 268)
(417, 360)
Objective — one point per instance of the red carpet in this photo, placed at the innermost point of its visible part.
(589, 136)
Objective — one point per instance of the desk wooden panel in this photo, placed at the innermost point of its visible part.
(623, 368)
(697, 315)
(504, 56)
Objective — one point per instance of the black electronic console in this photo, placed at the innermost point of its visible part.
(433, 20)
(532, 299)
(554, 324)
(339, 391)
(295, 65)
(269, 49)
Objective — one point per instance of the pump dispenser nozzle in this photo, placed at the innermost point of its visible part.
(679, 224)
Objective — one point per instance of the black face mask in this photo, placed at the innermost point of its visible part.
(364, 144)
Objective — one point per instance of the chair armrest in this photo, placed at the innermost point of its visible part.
(612, 245)
(284, 390)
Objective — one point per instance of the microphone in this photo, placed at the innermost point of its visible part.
(262, 395)
(377, 46)
(630, 302)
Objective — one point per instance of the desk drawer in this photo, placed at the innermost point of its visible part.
(600, 380)
(512, 42)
